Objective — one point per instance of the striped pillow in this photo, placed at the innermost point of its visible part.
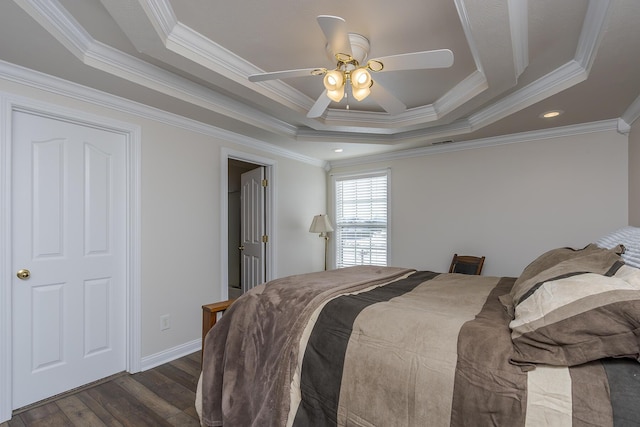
(630, 238)
(579, 317)
(562, 261)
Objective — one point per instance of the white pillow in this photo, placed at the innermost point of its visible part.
(627, 236)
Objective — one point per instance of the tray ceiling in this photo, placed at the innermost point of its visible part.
(513, 60)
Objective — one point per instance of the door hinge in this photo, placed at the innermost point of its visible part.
(265, 182)
(265, 239)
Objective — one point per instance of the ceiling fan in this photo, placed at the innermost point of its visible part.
(352, 73)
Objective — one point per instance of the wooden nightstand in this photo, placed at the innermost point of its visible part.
(210, 316)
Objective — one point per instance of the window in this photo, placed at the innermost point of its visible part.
(361, 219)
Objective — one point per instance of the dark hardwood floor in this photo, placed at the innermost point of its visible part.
(162, 396)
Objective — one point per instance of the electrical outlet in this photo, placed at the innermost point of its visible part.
(165, 322)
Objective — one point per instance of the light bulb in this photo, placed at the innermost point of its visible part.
(360, 78)
(333, 80)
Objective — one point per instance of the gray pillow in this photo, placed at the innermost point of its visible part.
(559, 262)
(579, 318)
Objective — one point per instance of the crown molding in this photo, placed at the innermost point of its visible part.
(563, 77)
(59, 23)
(519, 20)
(623, 127)
(467, 89)
(105, 58)
(194, 46)
(53, 17)
(559, 132)
(632, 113)
(466, 27)
(34, 79)
(55, 85)
(160, 14)
(417, 136)
(378, 127)
(190, 44)
(593, 29)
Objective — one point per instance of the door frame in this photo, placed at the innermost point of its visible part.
(8, 105)
(270, 166)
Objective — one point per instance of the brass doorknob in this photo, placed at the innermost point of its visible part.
(23, 274)
(241, 248)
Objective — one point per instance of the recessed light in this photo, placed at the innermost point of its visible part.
(338, 150)
(551, 114)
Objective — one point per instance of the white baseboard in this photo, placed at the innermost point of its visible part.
(166, 356)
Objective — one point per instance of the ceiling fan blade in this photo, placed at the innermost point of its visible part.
(335, 31)
(303, 72)
(441, 58)
(320, 105)
(386, 99)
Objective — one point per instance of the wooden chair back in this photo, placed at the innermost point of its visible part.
(466, 264)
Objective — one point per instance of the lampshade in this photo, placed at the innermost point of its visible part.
(360, 78)
(336, 95)
(334, 80)
(320, 224)
(361, 93)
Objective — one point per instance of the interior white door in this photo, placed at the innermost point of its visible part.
(69, 225)
(252, 228)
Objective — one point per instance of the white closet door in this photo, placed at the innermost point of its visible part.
(69, 225)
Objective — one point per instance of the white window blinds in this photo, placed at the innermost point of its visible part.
(361, 220)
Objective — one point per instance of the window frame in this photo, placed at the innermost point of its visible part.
(354, 176)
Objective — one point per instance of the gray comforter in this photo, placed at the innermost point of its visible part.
(371, 346)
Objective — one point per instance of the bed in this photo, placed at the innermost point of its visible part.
(389, 346)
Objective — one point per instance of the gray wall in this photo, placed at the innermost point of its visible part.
(634, 175)
(508, 202)
(181, 204)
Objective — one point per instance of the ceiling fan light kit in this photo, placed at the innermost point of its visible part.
(351, 50)
(336, 80)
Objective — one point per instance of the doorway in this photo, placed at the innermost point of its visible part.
(246, 225)
(234, 166)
